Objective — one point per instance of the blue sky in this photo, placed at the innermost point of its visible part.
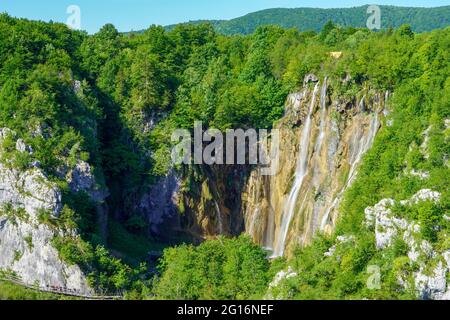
(139, 14)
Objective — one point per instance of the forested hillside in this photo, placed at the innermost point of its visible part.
(306, 19)
(112, 100)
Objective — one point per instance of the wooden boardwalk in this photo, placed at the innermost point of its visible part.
(58, 290)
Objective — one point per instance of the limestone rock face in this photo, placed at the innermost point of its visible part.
(160, 203)
(4, 132)
(22, 147)
(277, 281)
(387, 226)
(310, 78)
(339, 241)
(26, 249)
(213, 204)
(229, 200)
(322, 143)
(429, 284)
(432, 286)
(26, 244)
(29, 190)
(428, 269)
(424, 195)
(81, 178)
(281, 276)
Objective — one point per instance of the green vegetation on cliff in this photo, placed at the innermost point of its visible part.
(113, 99)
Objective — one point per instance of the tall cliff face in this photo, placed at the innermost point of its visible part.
(213, 204)
(197, 203)
(27, 198)
(322, 142)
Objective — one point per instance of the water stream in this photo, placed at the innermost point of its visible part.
(323, 118)
(300, 173)
(363, 146)
(219, 217)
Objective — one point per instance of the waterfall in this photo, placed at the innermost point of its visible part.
(251, 229)
(317, 173)
(302, 164)
(327, 213)
(323, 120)
(364, 146)
(321, 161)
(219, 217)
(257, 212)
(270, 230)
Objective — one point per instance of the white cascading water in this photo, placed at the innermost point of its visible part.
(219, 217)
(270, 231)
(251, 229)
(323, 117)
(274, 152)
(327, 213)
(373, 129)
(319, 142)
(363, 148)
(302, 165)
(269, 234)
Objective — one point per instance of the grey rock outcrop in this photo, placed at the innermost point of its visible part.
(81, 178)
(387, 226)
(26, 248)
(160, 203)
(278, 281)
(310, 78)
(428, 284)
(29, 190)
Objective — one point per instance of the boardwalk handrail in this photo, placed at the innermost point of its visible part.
(56, 290)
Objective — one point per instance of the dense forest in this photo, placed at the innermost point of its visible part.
(306, 19)
(70, 96)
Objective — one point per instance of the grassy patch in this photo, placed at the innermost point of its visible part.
(13, 214)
